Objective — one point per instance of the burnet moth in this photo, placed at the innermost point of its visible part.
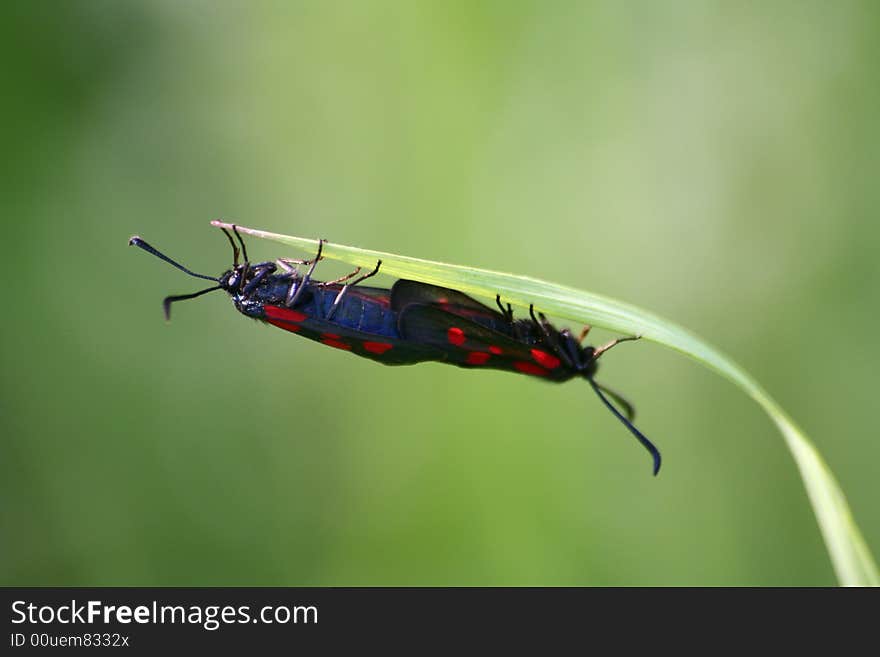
(412, 322)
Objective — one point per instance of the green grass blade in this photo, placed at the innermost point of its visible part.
(850, 557)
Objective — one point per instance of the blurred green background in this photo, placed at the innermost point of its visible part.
(715, 163)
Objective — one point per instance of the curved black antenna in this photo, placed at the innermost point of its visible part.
(628, 409)
(655, 453)
(167, 301)
(137, 241)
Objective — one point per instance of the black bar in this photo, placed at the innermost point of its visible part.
(412, 619)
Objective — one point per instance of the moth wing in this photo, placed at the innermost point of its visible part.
(406, 292)
(467, 343)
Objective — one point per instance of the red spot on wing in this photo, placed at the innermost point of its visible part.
(331, 342)
(496, 350)
(283, 314)
(330, 336)
(545, 360)
(477, 358)
(455, 336)
(442, 300)
(530, 368)
(377, 347)
(287, 326)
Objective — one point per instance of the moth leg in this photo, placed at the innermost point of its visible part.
(246, 261)
(548, 329)
(295, 290)
(540, 325)
(240, 241)
(341, 279)
(288, 266)
(260, 272)
(584, 333)
(563, 344)
(507, 312)
(345, 287)
(551, 336)
(234, 248)
(605, 347)
(573, 348)
(291, 264)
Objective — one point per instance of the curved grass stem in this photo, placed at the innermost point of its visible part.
(850, 557)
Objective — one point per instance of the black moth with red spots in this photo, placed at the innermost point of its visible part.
(409, 323)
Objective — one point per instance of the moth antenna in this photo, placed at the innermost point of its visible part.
(655, 453)
(628, 409)
(234, 248)
(167, 301)
(138, 242)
